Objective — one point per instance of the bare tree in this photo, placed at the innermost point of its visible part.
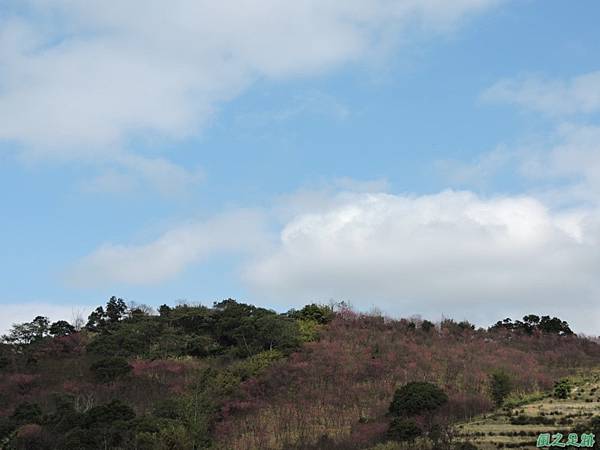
(77, 319)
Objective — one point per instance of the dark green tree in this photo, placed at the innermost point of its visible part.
(500, 386)
(530, 323)
(110, 369)
(96, 320)
(416, 398)
(276, 332)
(554, 325)
(61, 328)
(110, 424)
(164, 310)
(115, 309)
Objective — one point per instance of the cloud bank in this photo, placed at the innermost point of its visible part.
(452, 252)
(446, 251)
(237, 232)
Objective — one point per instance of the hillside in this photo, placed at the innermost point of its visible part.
(519, 423)
(234, 376)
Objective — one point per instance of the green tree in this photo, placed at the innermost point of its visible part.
(115, 309)
(110, 369)
(164, 310)
(530, 323)
(110, 424)
(554, 325)
(26, 333)
(96, 319)
(273, 331)
(417, 397)
(61, 328)
(500, 386)
(318, 313)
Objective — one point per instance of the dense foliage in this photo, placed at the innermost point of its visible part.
(339, 388)
(137, 380)
(535, 324)
(417, 397)
(237, 376)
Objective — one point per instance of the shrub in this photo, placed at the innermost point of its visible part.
(26, 413)
(465, 446)
(6, 427)
(427, 326)
(308, 329)
(320, 314)
(531, 420)
(167, 408)
(104, 416)
(562, 388)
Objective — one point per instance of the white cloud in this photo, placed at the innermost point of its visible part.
(448, 251)
(238, 232)
(578, 95)
(479, 172)
(311, 102)
(563, 162)
(351, 185)
(569, 165)
(574, 152)
(563, 166)
(132, 172)
(135, 173)
(453, 253)
(82, 79)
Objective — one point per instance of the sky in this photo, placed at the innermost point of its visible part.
(415, 157)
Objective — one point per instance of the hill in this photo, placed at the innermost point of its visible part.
(235, 376)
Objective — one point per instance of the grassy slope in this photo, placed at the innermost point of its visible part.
(495, 430)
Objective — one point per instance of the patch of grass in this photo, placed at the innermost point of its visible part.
(524, 417)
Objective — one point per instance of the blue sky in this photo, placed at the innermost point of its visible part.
(421, 157)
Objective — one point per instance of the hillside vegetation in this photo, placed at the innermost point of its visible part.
(521, 421)
(235, 376)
